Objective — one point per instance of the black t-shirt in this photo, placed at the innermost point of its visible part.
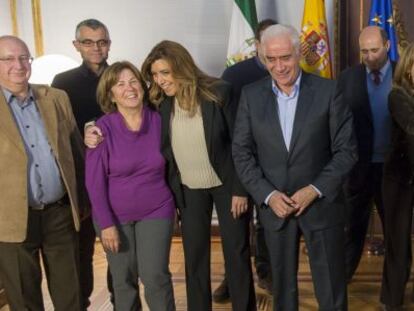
(80, 84)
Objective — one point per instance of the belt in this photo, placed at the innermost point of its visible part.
(44, 206)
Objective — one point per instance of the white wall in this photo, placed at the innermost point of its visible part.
(202, 26)
(291, 12)
(5, 18)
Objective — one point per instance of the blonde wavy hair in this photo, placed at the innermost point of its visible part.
(194, 85)
(402, 75)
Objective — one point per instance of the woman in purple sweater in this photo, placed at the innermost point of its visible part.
(132, 206)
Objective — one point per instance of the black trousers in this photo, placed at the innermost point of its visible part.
(261, 258)
(195, 226)
(362, 190)
(326, 258)
(87, 238)
(261, 254)
(50, 234)
(398, 212)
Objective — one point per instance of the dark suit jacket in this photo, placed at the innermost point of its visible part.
(322, 150)
(80, 84)
(242, 74)
(352, 83)
(399, 163)
(218, 123)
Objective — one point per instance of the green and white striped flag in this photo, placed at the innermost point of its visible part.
(241, 38)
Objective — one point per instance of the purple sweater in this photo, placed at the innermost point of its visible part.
(125, 174)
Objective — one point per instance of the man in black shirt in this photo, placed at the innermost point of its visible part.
(93, 43)
(240, 75)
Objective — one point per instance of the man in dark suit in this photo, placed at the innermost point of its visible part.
(365, 89)
(293, 146)
(92, 41)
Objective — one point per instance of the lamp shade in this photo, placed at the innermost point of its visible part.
(44, 68)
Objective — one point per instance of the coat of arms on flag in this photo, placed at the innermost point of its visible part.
(314, 40)
(313, 46)
(241, 38)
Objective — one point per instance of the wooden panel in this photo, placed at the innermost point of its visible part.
(363, 291)
(2, 297)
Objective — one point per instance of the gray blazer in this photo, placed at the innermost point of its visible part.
(322, 151)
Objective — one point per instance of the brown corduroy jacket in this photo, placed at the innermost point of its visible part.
(66, 143)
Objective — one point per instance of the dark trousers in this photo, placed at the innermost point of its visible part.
(50, 234)
(398, 211)
(195, 226)
(87, 238)
(261, 258)
(261, 254)
(326, 258)
(362, 190)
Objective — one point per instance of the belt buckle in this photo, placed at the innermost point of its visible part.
(40, 207)
(63, 201)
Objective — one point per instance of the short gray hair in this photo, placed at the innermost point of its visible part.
(90, 23)
(280, 30)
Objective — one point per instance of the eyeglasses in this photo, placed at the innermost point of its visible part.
(90, 43)
(24, 59)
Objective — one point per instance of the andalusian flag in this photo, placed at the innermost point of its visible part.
(241, 39)
(314, 40)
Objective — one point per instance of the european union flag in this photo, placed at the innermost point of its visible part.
(381, 15)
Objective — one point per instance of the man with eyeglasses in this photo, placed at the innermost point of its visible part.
(41, 186)
(93, 43)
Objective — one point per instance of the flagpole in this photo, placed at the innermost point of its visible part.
(37, 26)
(13, 13)
(337, 38)
(361, 20)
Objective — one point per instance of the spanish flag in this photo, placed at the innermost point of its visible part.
(314, 40)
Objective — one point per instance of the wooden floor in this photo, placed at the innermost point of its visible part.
(363, 291)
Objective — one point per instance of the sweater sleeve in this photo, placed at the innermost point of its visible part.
(96, 174)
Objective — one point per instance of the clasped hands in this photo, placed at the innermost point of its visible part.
(284, 206)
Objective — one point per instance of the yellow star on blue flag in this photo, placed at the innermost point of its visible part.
(377, 20)
(380, 8)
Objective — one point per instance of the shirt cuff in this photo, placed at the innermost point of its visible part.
(88, 124)
(317, 191)
(266, 201)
